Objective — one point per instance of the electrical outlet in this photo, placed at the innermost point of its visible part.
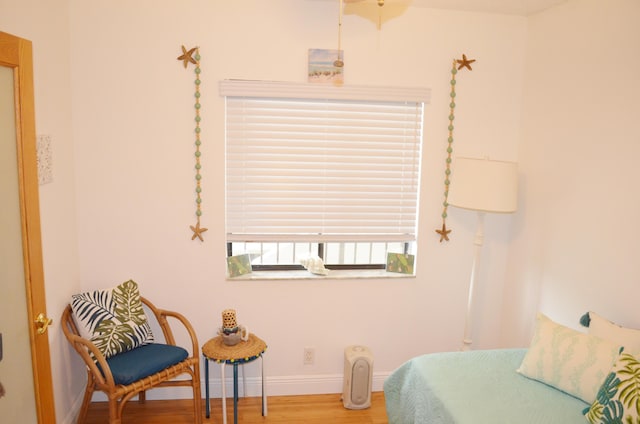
(309, 355)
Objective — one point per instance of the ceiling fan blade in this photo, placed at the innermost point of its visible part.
(371, 10)
(379, 2)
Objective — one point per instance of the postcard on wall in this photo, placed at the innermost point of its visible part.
(322, 66)
(399, 262)
(238, 265)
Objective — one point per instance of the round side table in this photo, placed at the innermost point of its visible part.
(241, 353)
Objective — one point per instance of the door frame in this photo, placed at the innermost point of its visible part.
(17, 53)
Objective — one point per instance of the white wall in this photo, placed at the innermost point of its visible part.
(133, 131)
(46, 24)
(120, 109)
(575, 246)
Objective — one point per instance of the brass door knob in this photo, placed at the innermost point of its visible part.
(42, 323)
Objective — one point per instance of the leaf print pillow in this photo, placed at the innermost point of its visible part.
(618, 399)
(113, 319)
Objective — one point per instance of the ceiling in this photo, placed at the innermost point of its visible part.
(511, 7)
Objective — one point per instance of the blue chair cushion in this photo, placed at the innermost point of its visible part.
(144, 361)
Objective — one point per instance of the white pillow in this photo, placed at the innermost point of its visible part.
(568, 360)
(627, 337)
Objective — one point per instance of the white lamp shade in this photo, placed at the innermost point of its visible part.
(484, 185)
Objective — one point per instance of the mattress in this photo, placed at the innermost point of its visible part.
(475, 387)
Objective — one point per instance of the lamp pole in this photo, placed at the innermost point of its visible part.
(477, 247)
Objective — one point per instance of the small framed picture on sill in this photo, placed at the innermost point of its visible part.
(238, 265)
(399, 262)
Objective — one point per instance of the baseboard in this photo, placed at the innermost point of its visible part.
(274, 386)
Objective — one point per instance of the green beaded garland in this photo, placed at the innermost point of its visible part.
(447, 171)
(197, 230)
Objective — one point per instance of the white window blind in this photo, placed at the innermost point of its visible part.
(309, 162)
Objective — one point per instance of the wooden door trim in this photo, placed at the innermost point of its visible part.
(17, 53)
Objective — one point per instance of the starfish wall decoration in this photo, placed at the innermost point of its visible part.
(188, 57)
(444, 233)
(456, 66)
(197, 231)
(465, 63)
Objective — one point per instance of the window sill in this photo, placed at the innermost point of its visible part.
(342, 274)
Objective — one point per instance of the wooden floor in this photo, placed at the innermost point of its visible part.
(308, 409)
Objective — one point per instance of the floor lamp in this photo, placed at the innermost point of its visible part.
(482, 185)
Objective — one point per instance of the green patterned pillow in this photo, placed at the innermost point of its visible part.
(618, 399)
(568, 360)
(114, 319)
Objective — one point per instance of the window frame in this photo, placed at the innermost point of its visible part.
(271, 89)
(321, 254)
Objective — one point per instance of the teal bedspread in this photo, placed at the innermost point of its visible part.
(475, 387)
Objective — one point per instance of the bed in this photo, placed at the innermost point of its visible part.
(563, 377)
(475, 387)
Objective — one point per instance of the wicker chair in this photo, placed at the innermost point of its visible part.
(109, 380)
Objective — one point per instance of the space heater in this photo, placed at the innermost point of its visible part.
(358, 375)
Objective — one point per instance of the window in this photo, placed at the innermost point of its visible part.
(323, 170)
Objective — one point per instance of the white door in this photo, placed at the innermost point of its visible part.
(25, 373)
(16, 376)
